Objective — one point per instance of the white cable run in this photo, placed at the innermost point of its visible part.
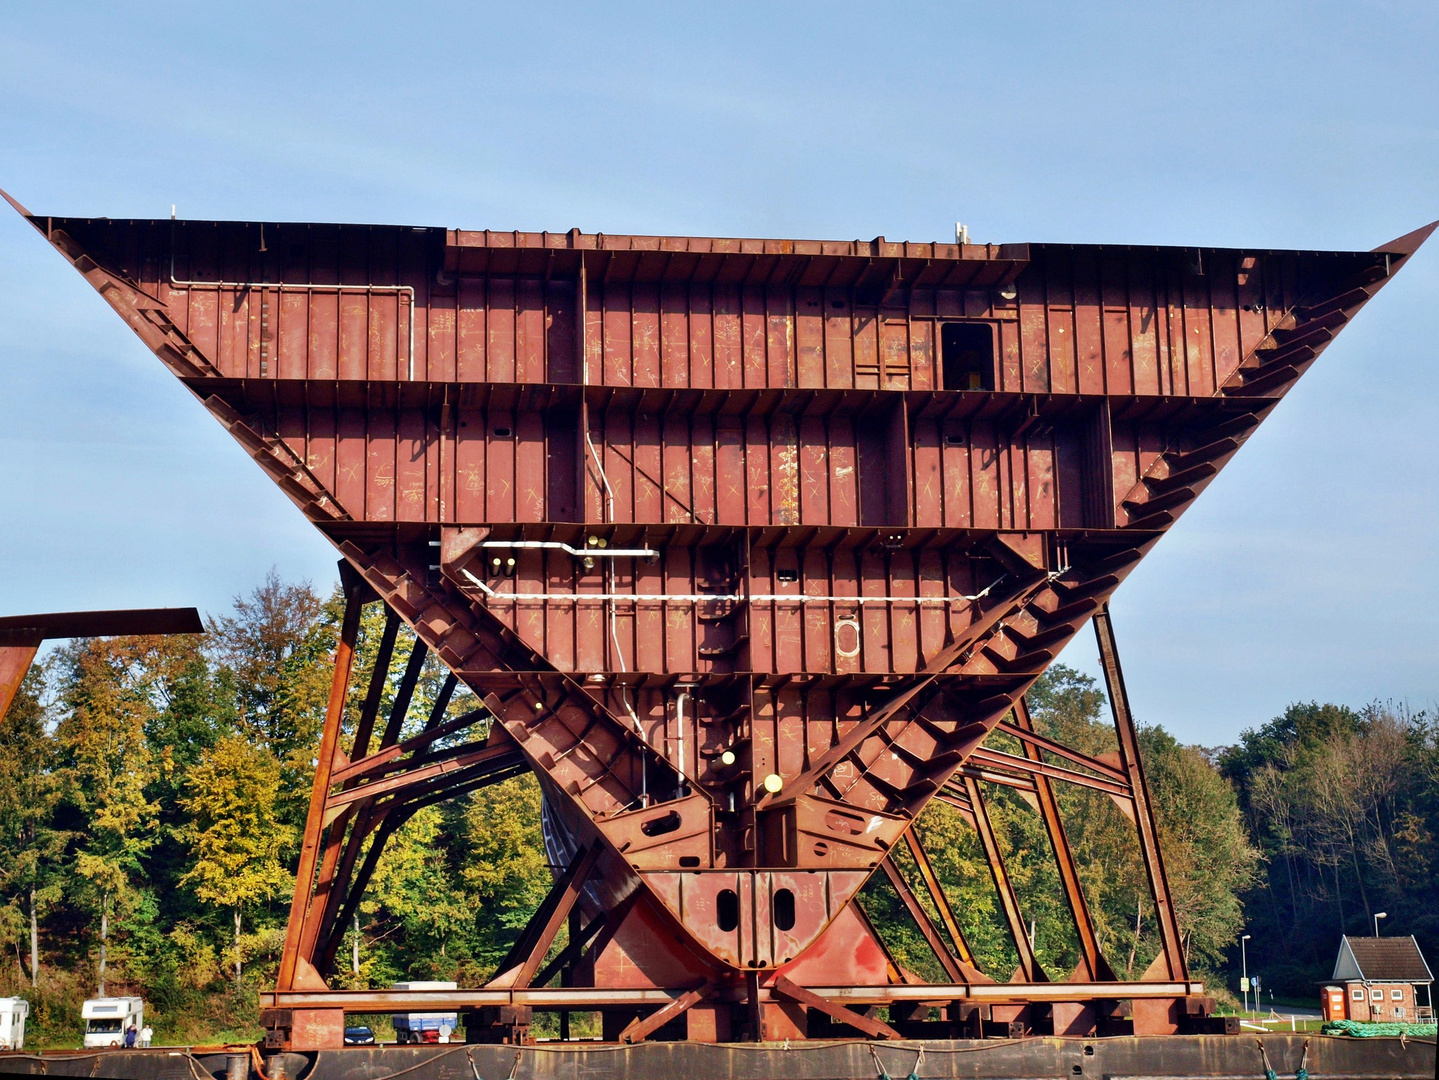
(614, 627)
(704, 598)
(579, 553)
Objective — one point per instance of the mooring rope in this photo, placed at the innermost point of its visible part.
(884, 1073)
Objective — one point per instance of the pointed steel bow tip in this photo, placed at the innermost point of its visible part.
(18, 208)
(1407, 244)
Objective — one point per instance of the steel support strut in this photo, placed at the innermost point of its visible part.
(941, 902)
(368, 796)
(1093, 964)
(299, 928)
(1171, 947)
(921, 919)
(1008, 899)
(522, 963)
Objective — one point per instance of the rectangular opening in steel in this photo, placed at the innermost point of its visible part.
(967, 354)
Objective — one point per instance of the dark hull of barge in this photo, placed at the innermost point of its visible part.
(1153, 1057)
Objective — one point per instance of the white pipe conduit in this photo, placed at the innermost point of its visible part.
(704, 598)
(579, 553)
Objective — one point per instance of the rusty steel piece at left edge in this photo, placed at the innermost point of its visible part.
(22, 635)
(746, 547)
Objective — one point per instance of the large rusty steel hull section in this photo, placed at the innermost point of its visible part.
(746, 545)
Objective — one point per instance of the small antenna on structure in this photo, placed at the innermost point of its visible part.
(961, 233)
(172, 211)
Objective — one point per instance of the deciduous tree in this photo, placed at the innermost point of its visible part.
(31, 845)
(108, 766)
(234, 832)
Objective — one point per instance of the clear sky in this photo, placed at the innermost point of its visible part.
(1307, 570)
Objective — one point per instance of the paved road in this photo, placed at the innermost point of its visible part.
(1285, 1012)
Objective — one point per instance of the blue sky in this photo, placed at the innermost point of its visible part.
(1307, 570)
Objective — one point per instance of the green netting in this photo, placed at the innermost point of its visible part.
(1369, 1031)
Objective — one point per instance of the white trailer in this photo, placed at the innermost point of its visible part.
(13, 1011)
(107, 1019)
(424, 1027)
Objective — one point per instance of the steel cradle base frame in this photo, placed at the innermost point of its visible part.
(302, 1013)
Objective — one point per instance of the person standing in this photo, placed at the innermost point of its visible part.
(146, 1034)
(130, 1034)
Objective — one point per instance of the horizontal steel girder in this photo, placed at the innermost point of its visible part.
(362, 1001)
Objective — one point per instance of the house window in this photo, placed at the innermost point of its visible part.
(1396, 995)
(1376, 994)
(1357, 993)
(967, 355)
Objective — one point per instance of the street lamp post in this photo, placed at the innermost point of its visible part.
(1244, 964)
(1377, 916)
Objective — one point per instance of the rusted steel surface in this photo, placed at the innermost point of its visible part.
(73, 624)
(993, 1059)
(22, 635)
(746, 545)
(17, 653)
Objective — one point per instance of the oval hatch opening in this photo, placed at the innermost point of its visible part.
(666, 823)
(784, 909)
(727, 910)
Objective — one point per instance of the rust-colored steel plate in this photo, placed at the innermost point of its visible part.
(72, 624)
(21, 635)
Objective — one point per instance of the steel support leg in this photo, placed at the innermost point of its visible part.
(1095, 967)
(17, 653)
(941, 902)
(1008, 898)
(356, 592)
(947, 960)
(1171, 946)
(528, 953)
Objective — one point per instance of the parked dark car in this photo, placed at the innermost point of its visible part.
(359, 1036)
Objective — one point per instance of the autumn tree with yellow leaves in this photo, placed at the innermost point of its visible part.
(234, 832)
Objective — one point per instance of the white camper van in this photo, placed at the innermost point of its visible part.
(107, 1019)
(12, 1023)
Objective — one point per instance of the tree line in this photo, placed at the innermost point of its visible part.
(153, 791)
